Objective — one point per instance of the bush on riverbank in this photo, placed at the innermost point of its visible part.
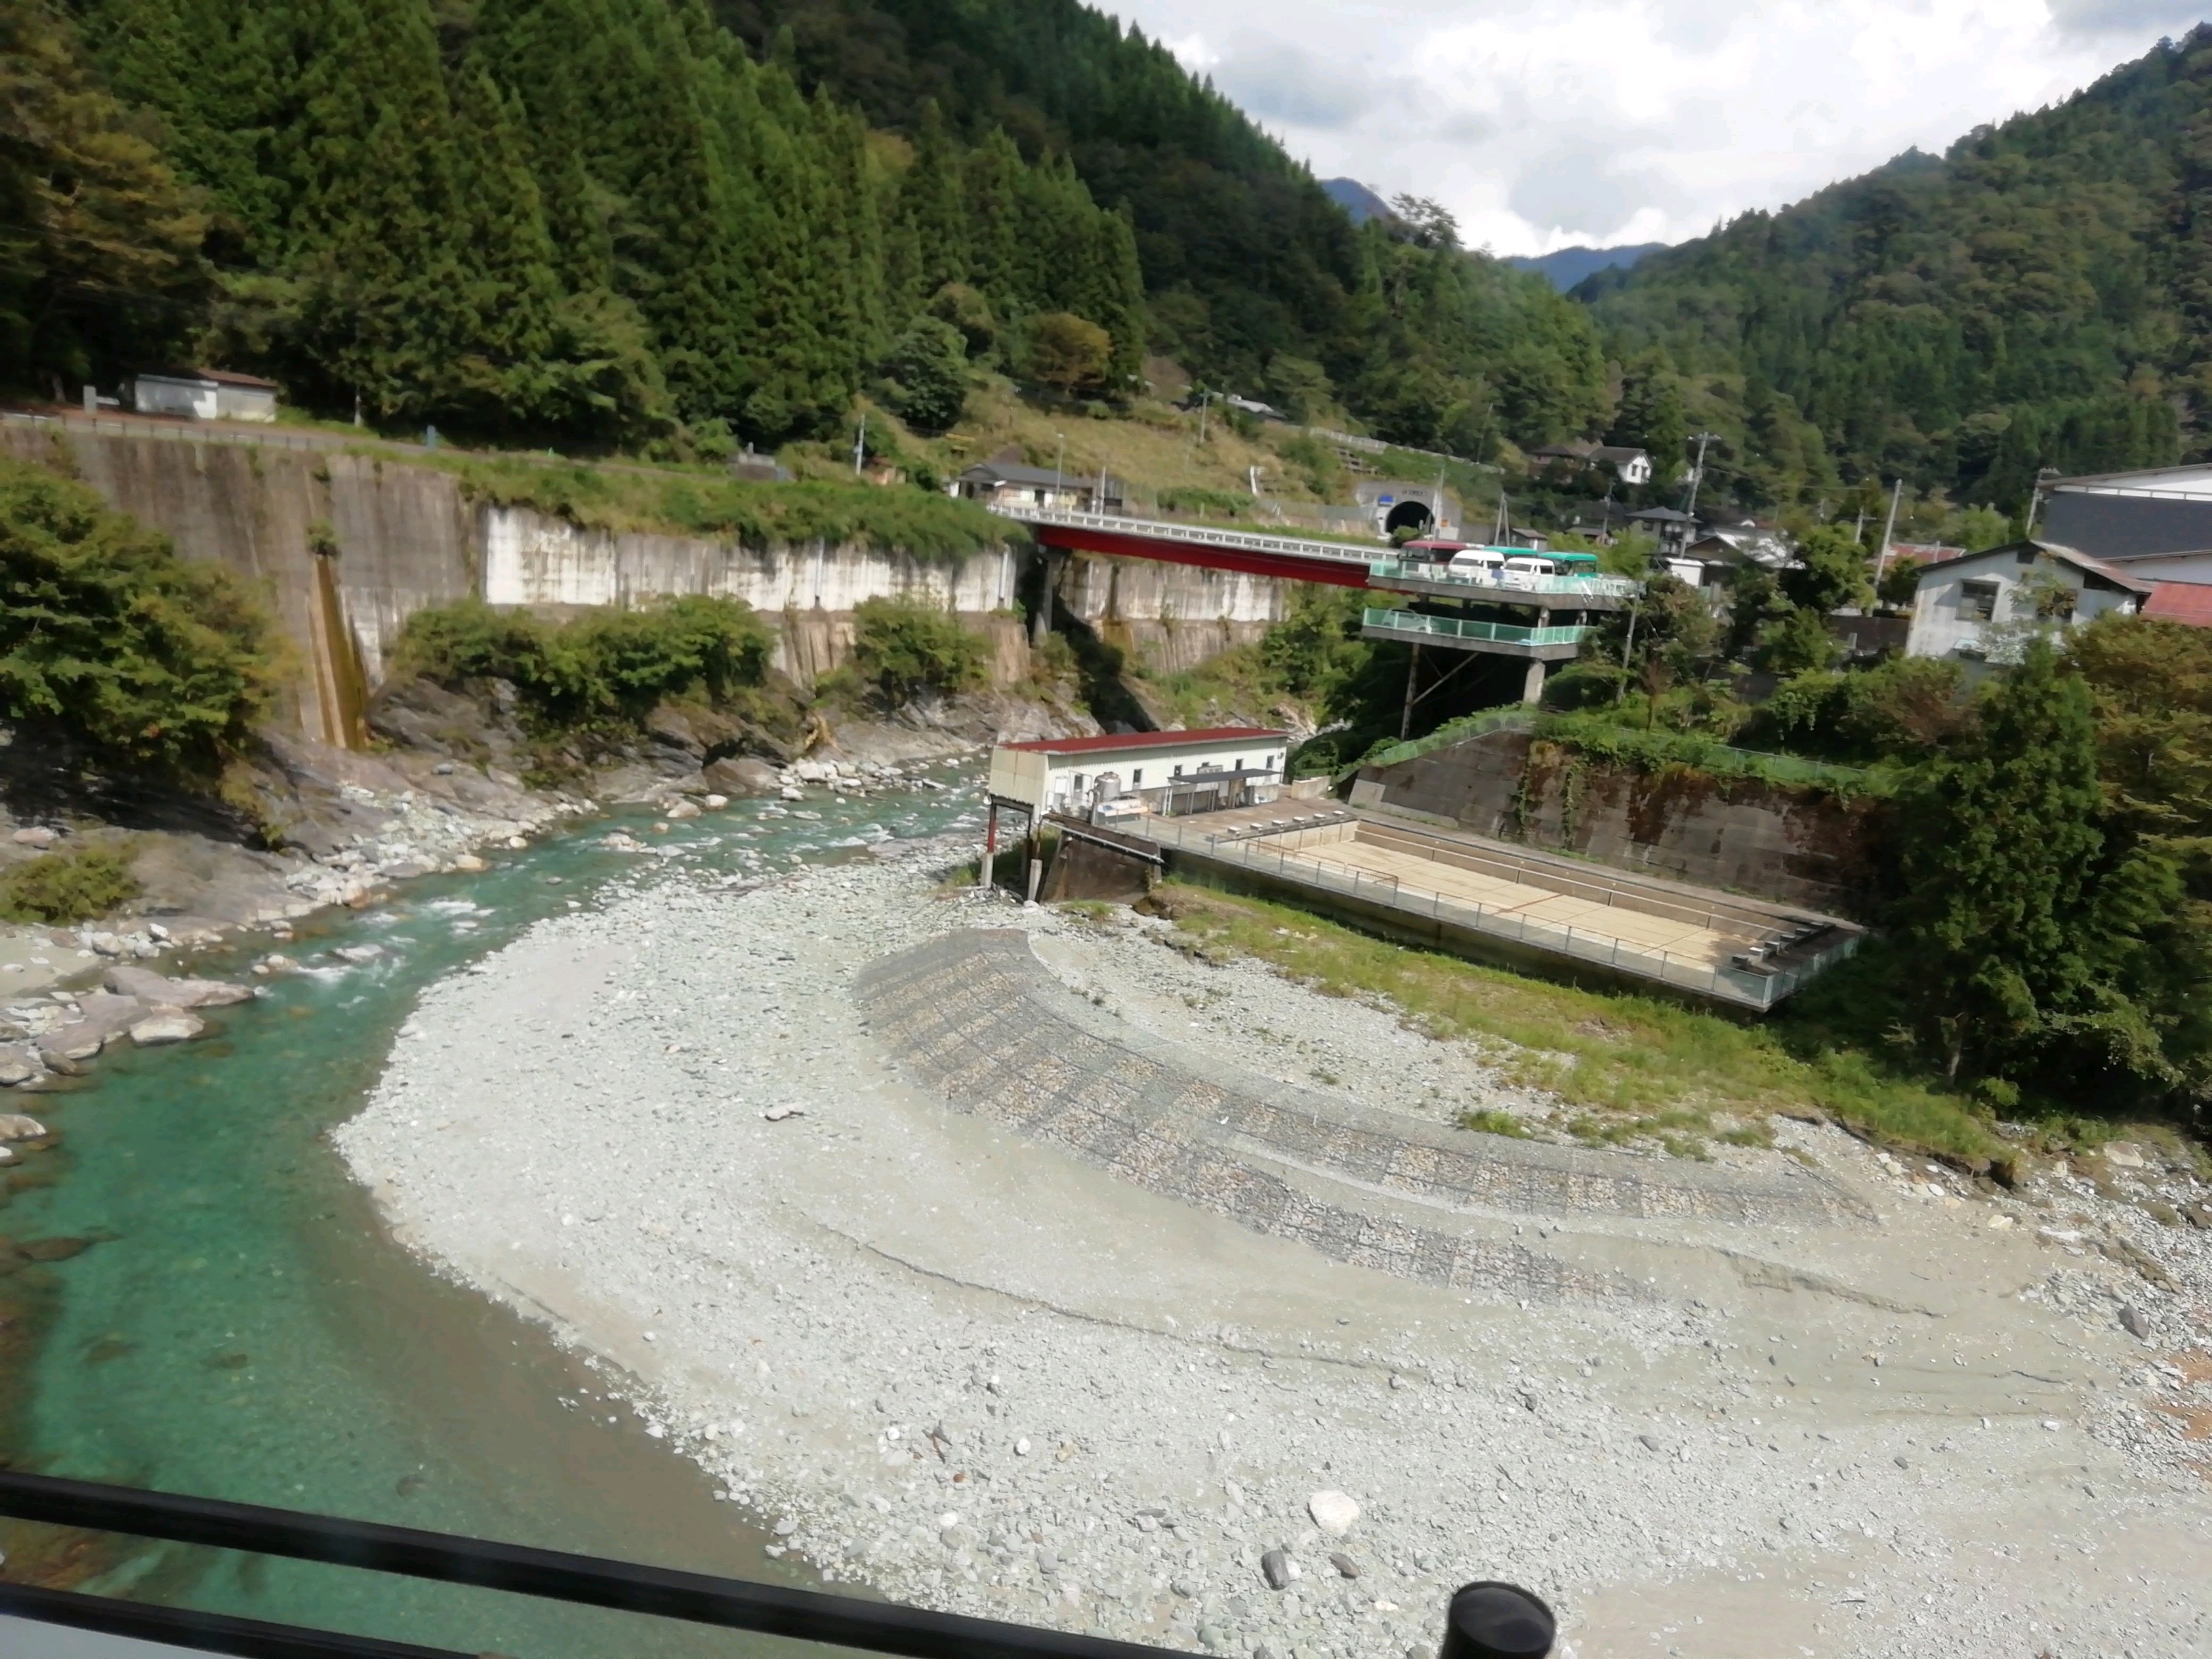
(74, 885)
(608, 663)
(903, 649)
(107, 636)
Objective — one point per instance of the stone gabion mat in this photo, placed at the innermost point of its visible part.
(977, 1018)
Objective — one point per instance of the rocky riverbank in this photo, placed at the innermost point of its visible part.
(989, 1333)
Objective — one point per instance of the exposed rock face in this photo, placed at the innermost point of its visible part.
(426, 716)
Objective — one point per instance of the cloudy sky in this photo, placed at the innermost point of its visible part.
(1542, 123)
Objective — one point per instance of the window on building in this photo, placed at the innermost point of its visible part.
(1977, 601)
(1178, 771)
(1240, 763)
(1136, 777)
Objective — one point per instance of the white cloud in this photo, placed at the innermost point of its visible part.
(1542, 123)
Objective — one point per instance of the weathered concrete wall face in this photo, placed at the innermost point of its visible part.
(1170, 617)
(404, 538)
(531, 559)
(407, 536)
(1796, 847)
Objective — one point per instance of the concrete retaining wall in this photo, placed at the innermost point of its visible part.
(1170, 617)
(1794, 847)
(407, 536)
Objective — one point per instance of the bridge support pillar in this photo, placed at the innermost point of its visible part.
(1412, 671)
(1531, 688)
(1048, 578)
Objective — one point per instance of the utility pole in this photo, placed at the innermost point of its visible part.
(860, 444)
(1482, 440)
(1628, 650)
(1060, 468)
(1889, 530)
(1698, 474)
(2035, 500)
(1204, 402)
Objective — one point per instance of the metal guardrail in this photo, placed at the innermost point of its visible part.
(192, 433)
(1598, 587)
(1245, 541)
(1745, 987)
(1485, 1620)
(1411, 621)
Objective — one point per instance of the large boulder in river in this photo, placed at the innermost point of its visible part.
(167, 1025)
(149, 986)
(740, 776)
(16, 1067)
(101, 1019)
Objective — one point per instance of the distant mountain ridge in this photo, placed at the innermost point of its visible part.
(1356, 199)
(2038, 296)
(1566, 267)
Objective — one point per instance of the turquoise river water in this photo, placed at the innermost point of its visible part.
(247, 1330)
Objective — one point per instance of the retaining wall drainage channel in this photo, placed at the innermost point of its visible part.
(979, 1019)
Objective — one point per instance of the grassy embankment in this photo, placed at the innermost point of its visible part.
(707, 501)
(1628, 1067)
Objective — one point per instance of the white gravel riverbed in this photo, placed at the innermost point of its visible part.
(976, 1373)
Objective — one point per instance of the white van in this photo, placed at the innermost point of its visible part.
(1526, 565)
(1477, 563)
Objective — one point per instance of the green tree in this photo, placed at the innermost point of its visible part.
(1649, 416)
(2027, 932)
(99, 265)
(1068, 353)
(107, 636)
(906, 649)
(926, 376)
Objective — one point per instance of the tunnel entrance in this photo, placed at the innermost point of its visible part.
(1409, 515)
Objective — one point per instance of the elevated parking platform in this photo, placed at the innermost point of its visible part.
(1479, 897)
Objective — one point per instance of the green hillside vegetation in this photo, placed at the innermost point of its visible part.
(1256, 281)
(2037, 297)
(611, 222)
(706, 501)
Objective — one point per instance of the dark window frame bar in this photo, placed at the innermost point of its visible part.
(552, 1575)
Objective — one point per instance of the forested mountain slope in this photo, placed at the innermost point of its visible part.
(617, 219)
(2040, 295)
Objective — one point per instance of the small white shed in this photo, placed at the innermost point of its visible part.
(204, 394)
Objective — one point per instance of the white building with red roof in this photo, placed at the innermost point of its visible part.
(1169, 773)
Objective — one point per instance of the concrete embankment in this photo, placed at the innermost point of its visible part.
(347, 546)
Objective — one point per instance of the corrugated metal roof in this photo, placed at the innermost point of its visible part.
(1147, 740)
(2080, 561)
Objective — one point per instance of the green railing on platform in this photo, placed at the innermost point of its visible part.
(1411, 621)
